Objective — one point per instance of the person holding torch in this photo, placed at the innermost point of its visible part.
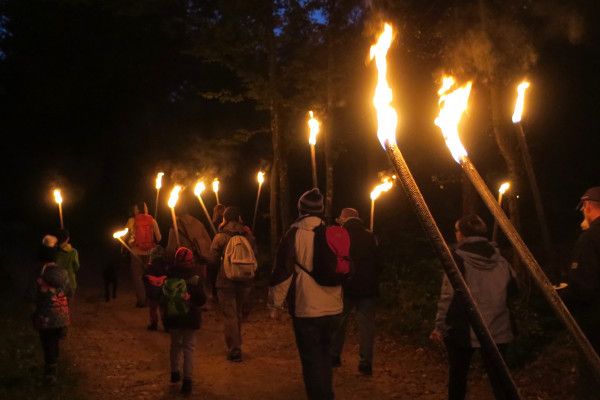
(142, 236)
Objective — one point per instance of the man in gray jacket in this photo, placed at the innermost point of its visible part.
(488, 276)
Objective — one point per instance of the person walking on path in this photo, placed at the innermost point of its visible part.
(232, 294)
(143, 234)
(68, 258)
(360, 290)
(154, 280)
(51, 315)
(490, 279)
(315, 309)
(182, 297)
(583, 290)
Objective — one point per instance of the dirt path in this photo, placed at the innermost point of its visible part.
(119, 359)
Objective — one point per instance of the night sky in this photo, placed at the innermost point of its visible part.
(98, 102)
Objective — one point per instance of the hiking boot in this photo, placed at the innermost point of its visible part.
(365, 368)
(153, 326)
(336, 361)
(186, 386)
(235, 355)
(175, 377)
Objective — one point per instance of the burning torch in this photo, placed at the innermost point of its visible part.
(260, 178)
(453, 102)
(172, 203)
(383, 187)
(314, 127)
(157, 185)
(215, 188)
(501, 190)
(198, 189)
(118, 235)
(386, 131)
(58, 199)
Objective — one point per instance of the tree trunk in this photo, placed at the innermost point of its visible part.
(284, 187)
(273, 209)
(329, 158)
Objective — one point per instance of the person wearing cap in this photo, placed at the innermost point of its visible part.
(582, 293)
(315, 309)
(232, 295)
(360, 290)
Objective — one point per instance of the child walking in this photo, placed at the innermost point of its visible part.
(182, 297)
(51, 315)
(154, 279)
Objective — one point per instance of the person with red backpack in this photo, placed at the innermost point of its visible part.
(234, 248)
(308, 275)
(143, 235)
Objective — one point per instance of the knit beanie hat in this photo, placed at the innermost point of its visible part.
(184, 257)
(157, 253)
(311, 203)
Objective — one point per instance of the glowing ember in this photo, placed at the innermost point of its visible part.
(453, 104)
(215, 185)
(260, 177)
(314, 126)
(174, 196)
(383, 187)
(517, 114)
(387, 119)
(504, 187)
(57, 196)
(158, 184)
(199, 188)
(120, 234)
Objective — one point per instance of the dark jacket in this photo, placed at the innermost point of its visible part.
(365, 261)
(490, 280)
(51, 304)
(584, 282)
(154, 278)
(191, 320)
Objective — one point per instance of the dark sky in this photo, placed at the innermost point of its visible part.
(97, 103)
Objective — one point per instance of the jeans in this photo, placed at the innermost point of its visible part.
(183, 341)
(50, 339)
(138, 269)
(153, 311)
(459, 361)
(365, 318)
(313, 339)
(231, 301)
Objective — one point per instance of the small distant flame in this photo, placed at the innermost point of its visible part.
(504, 187)
(158, 184)
(314, 126)
(215, 185)
(452, 106)
(57, 196)
(120, 234)
(199, 188)
(387, 118)
(518, 113)
(383, 187)
(260, 177)
(174, 196)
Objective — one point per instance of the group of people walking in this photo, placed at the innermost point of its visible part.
(321, 274)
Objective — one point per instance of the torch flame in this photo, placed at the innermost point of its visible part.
(383, 187)
(452, 106)
(387, 119)
(120, 234)
(199, 188)
(520, 102)
(314, 126)
(57, 196)
(158, 184)
(260, 177)
(174, 196)
(215, 185)
(504, 187)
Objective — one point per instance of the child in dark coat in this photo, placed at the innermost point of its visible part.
(110, 273)
(181, 299)
(154, 279)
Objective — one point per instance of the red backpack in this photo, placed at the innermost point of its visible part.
(143, 232)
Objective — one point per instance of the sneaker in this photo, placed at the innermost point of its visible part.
(365, 368)
(235, 355)
(336, 361)
(153, 326)
(175, 377)
(186, 386)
